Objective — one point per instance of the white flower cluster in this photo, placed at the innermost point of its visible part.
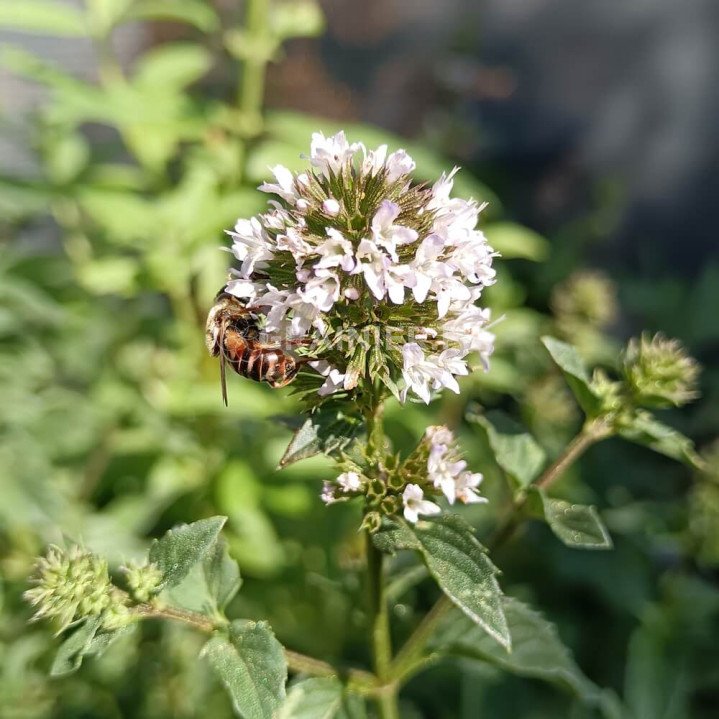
(444, 474)
(354, 227)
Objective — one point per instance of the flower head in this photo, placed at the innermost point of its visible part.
(353, 254)
(659, 372)
(71, 585)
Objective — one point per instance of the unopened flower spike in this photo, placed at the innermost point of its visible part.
(354, 253)
(659, 372)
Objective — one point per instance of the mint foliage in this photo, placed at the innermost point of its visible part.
(251, 664)
(88, 640)
(575, 372)
(576, 525)
(179, 549)
(513, 449)
(321, 698)
(458, 563)
(329, 429)
(537, 650)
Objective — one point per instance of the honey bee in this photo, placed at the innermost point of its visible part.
(233, 335)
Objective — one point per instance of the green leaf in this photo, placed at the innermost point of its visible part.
(45, 17)
(568, 360)
(537, 650)
(514, 450)
(179, 549)
(174, 65)
(71, 652)
(650, 432)
(515, 241)
(250, 662)
(193, 12)
(297, 18)
(329, 429)
(321, 698)
(85, 641)
(576, 525)
(459, 564)
(209, 585)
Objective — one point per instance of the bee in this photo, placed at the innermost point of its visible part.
(232, 334)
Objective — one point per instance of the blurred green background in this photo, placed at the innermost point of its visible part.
(133, 132)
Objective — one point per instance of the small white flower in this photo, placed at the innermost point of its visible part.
(350, 482)
(335, 251)
(374, 160)
(330, 154)
(444, 471)
(465, 488)
(439, 435)
(399, 163)
(331, 207)
(334, 378)
(252, 246)
(419, 375)
(322, 290)
(285, 185)
(244, 289)
(388, 235)
(328, 495)
(292, 241)
(381, 275)
(352, 293)
(415, 504)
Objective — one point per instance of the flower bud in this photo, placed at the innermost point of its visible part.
(71, 584)
(585, 299)
(143, 580)
(659, 372)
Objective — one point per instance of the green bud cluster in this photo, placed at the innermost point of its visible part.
(585, 299)
(659, 372)
(74, 584)
(143, 580)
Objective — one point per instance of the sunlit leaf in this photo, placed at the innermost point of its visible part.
(458, 563)
(194, 12)
(321, 698)
(179, 549)
(250, 662)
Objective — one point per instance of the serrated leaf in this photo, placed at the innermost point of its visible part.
(251, 664)
(181, 548)
(515, 451)
(568, 360)
(46, 17)
(321, 698)
(85, 641)
(329, 429)
(537, 650)
(650, 432)
(458, 563)
(576, 525)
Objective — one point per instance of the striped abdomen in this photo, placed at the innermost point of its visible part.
(253, 360)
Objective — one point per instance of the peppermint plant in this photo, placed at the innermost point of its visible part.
(377, 281)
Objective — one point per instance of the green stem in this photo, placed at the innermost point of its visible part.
(252, 87)
(359, 681)
(410, 658)
(380, 631)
